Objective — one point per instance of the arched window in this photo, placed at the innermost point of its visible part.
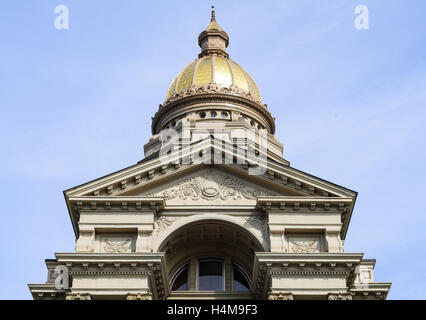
(180, 279)
(240, 280)
(210, 274)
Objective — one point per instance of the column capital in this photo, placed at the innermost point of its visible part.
(139, 296)
(78, 296)
(280, 296)
(340, 296)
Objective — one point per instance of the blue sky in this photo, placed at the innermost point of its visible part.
(349, 106)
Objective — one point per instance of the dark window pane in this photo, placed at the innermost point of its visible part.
(240, 281)
(180, 283)
(210, 275)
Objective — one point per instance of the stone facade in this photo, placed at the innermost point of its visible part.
(276, 232)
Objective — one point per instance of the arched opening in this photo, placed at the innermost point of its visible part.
(210, 276)
(240, 279)
(210, 256)
(180, 281)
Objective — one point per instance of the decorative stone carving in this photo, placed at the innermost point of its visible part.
(78, 296)
(115, 246)
(280, 296)
(139, 296)
(211, 185)
(304, 246)
(162, 224)
(340, 296)
(258, 223)
(213, 88)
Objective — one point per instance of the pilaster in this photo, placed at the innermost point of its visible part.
(334, 243)
(86, 239)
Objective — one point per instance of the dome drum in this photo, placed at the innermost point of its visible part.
(257, 116)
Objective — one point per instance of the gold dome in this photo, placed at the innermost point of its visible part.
(214, 68)
(217, 70)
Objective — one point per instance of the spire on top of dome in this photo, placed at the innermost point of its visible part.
(213, 40)
(213, 25)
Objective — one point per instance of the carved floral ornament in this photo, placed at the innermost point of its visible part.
(213, 88)
(78, 296)
(280, 296)
(139, 296)
(162, 223)
(210, 186)
(340, 296)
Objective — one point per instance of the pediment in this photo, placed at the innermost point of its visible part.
(175, 183)
(135, 180)
(231, 182)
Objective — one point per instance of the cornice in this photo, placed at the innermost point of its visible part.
(323, 257)
(283, 203)
(45, 290)
(315, 264)
(95, 264)
(149, 257)
(123, 203)
(376, 290)
(310, 204)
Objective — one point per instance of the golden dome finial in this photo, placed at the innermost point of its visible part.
(213, 15)
(213, 40)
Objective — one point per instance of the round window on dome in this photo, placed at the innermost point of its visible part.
(224, 115)
(202, 115)
(213, 114)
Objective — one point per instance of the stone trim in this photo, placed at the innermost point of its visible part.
(268, 264)
(340, 296)
(152, 264)
(280, 296)
(139, 296)
(78, 296)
